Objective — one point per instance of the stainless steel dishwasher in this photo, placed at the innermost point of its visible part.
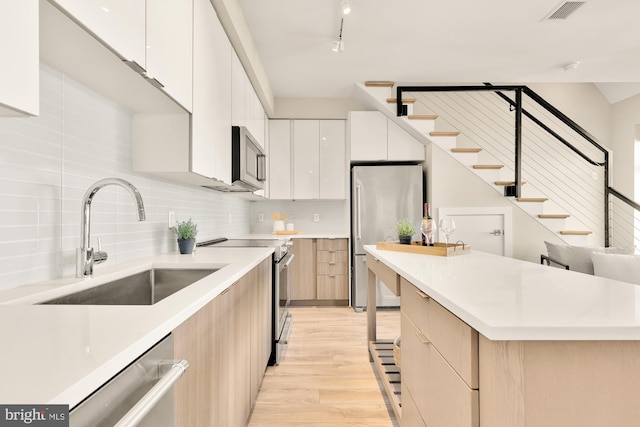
(140, 395)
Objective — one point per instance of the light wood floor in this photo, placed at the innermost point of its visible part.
(325, 377)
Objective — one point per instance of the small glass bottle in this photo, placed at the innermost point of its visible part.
(428, 227)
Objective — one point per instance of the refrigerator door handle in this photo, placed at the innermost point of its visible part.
(358, 215)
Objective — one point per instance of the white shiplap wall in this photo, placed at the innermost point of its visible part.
(48, 162)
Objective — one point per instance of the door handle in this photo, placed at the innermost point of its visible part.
(497, 232)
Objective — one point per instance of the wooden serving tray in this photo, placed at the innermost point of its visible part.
(439, 249)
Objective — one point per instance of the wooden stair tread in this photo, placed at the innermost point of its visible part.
(378, 84)
(422, 117)
(404, 100)
(508, 183)
(444, 133)
(488, 166)
(553, 216)
(466, 150)
(532, 199)
(575, 232)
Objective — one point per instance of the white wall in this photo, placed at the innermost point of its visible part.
(450, 184)
(48, 162)
(625, 118)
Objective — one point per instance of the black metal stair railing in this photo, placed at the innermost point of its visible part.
(516, 105)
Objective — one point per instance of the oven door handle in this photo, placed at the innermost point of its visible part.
(286, 264)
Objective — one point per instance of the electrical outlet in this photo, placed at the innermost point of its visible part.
(316, 217)
(260, 217)
(171, 219)
(229, 217)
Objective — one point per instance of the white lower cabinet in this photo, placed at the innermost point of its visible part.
(20, 83)
(307, 159)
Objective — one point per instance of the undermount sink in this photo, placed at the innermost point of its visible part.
(144, 288)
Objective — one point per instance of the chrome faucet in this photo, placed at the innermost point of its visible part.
(85, 255)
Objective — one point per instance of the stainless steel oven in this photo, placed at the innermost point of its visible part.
(281, 286)
(282, 322)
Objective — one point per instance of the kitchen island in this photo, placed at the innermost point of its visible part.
(62, 353)
(494, 341)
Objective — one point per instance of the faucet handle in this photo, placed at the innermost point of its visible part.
(99, 256)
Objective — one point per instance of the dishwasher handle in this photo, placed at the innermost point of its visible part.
(137, 413)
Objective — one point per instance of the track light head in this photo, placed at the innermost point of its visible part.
(346, 7)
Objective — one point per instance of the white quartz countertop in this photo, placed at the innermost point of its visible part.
(508, 299)
(62, 353)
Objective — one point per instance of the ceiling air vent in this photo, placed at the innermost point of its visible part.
(565, 10)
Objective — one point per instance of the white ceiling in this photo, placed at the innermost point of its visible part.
(427, 41)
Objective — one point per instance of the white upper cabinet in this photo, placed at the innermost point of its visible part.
(333, 159)
(307, 159)
(169, 48)
(246, 108)
(211, 116)
(279, 159)
(306, 164)
(119, 24)
(374, 137)
(19, 86)
(401, 145)
(368, 135)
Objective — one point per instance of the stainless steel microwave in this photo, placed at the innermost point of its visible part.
(248, 168)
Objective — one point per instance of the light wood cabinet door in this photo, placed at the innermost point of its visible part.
(261, 333)
(279, 159)
(118, 24)
(228, 345)
(211, 116)
(306, 165)
(410, 415)
(169, 52)
(19, 44)
(333, 160)
(303, 270)
(367, 135)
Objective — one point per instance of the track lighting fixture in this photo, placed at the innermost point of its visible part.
(346, 7)
(338, 45)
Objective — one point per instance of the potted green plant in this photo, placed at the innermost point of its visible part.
(405, 230)
(186, 232)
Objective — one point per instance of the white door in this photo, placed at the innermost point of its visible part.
(485, 229)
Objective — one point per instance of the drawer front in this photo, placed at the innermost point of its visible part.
(333, 256)
(390, 278)
(410, 414)
(333, 287)
(333, 268)
(415, 304)
(333, 244)
(453, 338)
(440, 396)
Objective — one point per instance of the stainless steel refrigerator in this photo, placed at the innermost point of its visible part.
(380, 195)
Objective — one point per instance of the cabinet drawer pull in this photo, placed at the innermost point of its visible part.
(333, 276)
(422, 294)
(423, 338)
(332, 263)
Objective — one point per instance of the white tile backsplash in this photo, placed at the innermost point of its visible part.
(334, 215)
(48, 162)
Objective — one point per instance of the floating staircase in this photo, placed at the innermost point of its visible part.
(423, 127)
